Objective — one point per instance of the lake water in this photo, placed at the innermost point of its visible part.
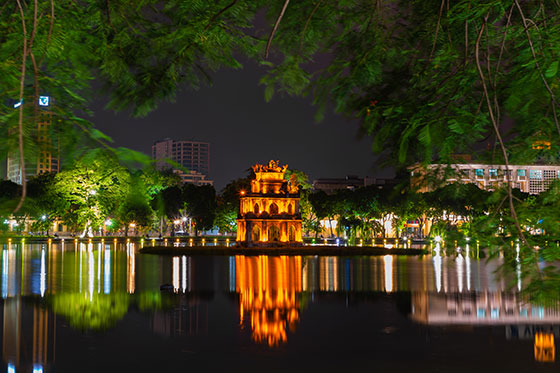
(99, 307)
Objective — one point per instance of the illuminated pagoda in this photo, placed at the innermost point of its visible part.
(269, 214)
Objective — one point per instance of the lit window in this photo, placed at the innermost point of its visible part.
(480, 313)
(479, 172)
(535, 174)
(495, 313)
(493, 172)
(521, 173)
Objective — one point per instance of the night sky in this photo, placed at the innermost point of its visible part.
(243, 129)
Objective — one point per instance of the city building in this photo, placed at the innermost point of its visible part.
(351, 182)
(193, 177)
(269, 214)
(44, 157)
(532, 179)
(191, 155)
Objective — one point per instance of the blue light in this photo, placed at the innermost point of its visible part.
(18, 104)
(44, 100)
(37, 368)
(11, 368)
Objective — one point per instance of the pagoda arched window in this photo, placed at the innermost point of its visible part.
(256, 208)
(273, 209)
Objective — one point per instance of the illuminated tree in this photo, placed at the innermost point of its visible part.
(90, 191)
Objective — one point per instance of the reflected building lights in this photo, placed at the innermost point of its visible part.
(544, 347)
(5, 273)
(459, 262)
(468, 267)
(437, 270)
(268, 288)
(107, 272)
(43, 274)
(388, 260)
(176, 274)
(130, 267)
(91, 273)
(184, 273)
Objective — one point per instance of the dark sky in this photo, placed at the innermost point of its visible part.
(243, 129)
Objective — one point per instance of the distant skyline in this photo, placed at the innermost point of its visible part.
(243, 129)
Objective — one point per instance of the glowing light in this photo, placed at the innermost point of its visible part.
(92, 192)
(11, 368)
(184, 218)
(242, 192)
(132, 225)
(36, 367)
(108, 222)
(177, 222)
(437, 238)
(44, 217)
(18, 104)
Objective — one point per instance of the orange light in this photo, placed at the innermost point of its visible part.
(242, 192)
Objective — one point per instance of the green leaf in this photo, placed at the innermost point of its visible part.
(98, 135)
(552, 70)
(268, 92)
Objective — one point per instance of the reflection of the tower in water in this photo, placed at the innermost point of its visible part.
(103, 280)
(268, 289)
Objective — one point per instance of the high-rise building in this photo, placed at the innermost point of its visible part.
(42, 158)
(192, 155)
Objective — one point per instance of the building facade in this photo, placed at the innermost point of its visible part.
(350, 182)
(532, 179)
(44, 157)
(269, 214)
(192, 155)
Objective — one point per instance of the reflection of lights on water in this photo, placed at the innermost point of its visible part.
(468, 262)
(544, 347)
(5, 271)
(11, 368)
(43, 276)
(37, 368)
(107, 272)
(232, 273)
(91, 273)
(437, 270)
(131, 267)
(388, 260)
(184, 272)
(98, 268)
(459, 263)
(518, 273)
(175, 274)
(517, 252)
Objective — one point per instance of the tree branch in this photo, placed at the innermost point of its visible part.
(269, 43)
(497, 131)
(307, 24)
(552, 97)
(437, 29)
(20, 119)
